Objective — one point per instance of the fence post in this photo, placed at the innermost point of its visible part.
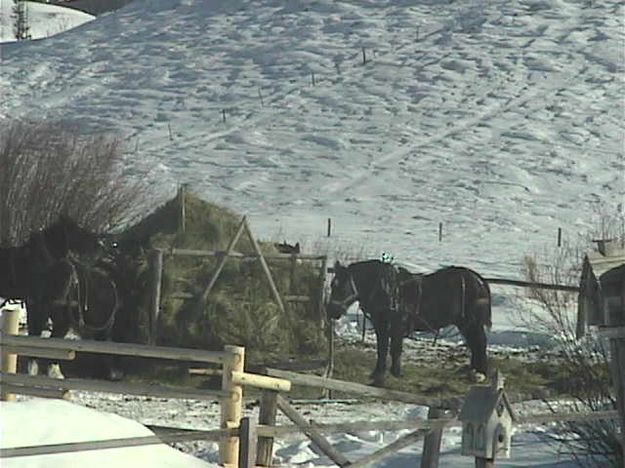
(182, 192)
(231, 408)
(432, 441)
(10, 326)
(266, 416)
(156, 267)
(329, 226)
(440, 232)
(247, 443)
(330, 367)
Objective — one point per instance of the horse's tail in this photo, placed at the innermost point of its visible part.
(484, 303)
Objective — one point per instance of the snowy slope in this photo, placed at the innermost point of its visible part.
(43, 20)
(501, 119)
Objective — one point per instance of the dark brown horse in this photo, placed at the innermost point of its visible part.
(398, 303)
(47, 274)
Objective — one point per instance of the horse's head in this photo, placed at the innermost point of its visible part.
(66, 235)
(343, 292)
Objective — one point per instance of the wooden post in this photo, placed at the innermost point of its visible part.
(223, 260)
(267, 416)
(171, 137)
(10, 326)
(330, 366)
(156, 267)
(182, 195)
(329, 226)
(440, 232)
(322, 283)
(418, 28)
(313, 78)
(432, 442)
(364, 56)
(231, 408)
(266, 269)
(260, 96)
(247, 443)
(559, 237)
(223, 115)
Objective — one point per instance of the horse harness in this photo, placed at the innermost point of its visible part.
(81, 289)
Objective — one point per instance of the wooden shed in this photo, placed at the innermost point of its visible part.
(602, 288)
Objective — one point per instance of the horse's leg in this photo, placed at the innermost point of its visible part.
(60, 327)
(397, 339)
(475, 337)
(382, 338)
(35, 322)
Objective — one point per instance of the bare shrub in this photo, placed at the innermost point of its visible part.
(49, 169)
(584, 363)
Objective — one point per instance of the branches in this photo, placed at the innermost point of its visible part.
(49, 169)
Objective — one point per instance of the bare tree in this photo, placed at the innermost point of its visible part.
(50, 169)
(584, 363)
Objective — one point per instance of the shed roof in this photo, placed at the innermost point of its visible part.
(483, 400)
(601, 264)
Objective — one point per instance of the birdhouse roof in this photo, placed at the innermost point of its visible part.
(481, 402)
(601, 264)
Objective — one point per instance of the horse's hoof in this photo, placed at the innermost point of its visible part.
(115, 375)
(33, 367)
(54, 372)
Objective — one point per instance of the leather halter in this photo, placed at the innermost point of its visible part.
(345, 303)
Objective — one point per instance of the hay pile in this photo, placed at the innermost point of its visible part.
(240, 308)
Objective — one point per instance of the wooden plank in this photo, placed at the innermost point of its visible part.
(55, 354)
(297, 298)
(267, 416)
(611, 332)
(266, 269)
(220, 253)
(55, 393)
(432, 442)
(222, 260)
(122, 349)
(163, 391)
(526, 284)
(317, 439)
(351, 387)
(402, 442)
(261, 381)
(247, 443)
(70, 447)
(545, 418)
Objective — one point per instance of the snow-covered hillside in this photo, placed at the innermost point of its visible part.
(43, 20)
(503, 120)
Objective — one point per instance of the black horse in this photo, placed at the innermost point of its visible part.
(398, 303)
(55, 272)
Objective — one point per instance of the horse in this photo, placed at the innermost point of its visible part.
(398, 303)
(38, 272)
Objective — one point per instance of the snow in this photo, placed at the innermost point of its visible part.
(501, 119)
(38, 422)
(44, 20)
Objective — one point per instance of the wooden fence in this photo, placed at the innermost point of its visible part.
(243, 442)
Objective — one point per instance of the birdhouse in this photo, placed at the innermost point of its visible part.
(602, 288)
(487, 418)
